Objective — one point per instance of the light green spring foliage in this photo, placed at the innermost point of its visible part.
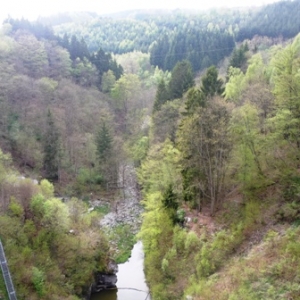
(269, 271)
(249, 144)
(46, 240)
(263, 169)
(47, 189)
(266, 147)
(238, 81)
(160, 169)
(139, 63)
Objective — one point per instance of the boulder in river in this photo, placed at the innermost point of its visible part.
(106, 280)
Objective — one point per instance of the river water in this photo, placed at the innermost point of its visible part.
(131, 283)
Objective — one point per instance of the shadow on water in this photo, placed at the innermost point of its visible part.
(121, 294)
(131, 279)
(107, 295)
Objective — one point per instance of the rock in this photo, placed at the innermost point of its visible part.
(104, 281)
(128, 209)
(112, 267)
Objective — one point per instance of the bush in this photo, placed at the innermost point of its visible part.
(38, 280)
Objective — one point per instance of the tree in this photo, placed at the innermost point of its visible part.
(181, 80)
(249, 147)
(51, 148)
(287, 87)
(161, 96)
(238, 58)
(211, 85)
(101, 61)
(31, 57)
(165, 121)
(104, 144)
(126, 93)
(204, 141)
(170, 203)
(108, 81)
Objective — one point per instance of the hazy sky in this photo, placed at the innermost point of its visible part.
(31, 9)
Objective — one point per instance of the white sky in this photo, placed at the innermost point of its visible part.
(31, 9)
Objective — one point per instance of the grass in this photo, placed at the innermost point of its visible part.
(124, 241)
(103, 209)
(269, 271)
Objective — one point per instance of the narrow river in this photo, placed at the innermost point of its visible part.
(131, 283)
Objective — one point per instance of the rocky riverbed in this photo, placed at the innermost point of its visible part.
(126, 208)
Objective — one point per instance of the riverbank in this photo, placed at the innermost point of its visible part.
(123, 220)
(131, 282)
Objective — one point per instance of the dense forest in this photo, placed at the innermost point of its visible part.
(204, 105)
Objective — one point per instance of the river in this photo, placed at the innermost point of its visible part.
(131, 283)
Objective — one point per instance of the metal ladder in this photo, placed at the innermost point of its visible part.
(6, 275)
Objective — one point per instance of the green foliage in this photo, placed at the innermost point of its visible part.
(273, 20)
(165, 121)
(158, 171)
(107, 82)
(47, 189)
(161, 96)
(211, 85)
(103, 209)
(238, 56)
(170, 203)
(43, 253)
(104, 144)
(181, 80)
(15, 209)
(38, 281)
(124, 238)
(252, 212)
(245, 128)
(139, 149)
(289, 212)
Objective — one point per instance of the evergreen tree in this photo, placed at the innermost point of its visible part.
(116, 68)
(51, 148)
(101, 61)
(161, 96)
(170, 203)
(211, 85)
(182, 79)
(104, 144)
(238, 57)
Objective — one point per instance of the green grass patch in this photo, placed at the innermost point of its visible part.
(103, 209)
(124, 241)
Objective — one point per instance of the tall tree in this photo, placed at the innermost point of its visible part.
(181, 80)
(161, 96)
(104, 144)
(105, 154)
(205, 144)
(211, 84)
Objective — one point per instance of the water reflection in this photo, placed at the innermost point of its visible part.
(131, 279)
(105, 295)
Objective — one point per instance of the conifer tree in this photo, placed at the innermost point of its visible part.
(161, 96)
(182, 79)
(104, 144)
(211, 85)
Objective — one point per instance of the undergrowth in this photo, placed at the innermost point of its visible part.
(124, 240)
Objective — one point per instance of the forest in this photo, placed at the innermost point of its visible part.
(205, 106)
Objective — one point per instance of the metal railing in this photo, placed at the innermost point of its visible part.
(6, 275)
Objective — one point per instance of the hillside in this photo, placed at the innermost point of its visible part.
(221, 193)
(206, 112)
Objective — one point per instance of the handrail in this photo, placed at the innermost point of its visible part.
(6, 275)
